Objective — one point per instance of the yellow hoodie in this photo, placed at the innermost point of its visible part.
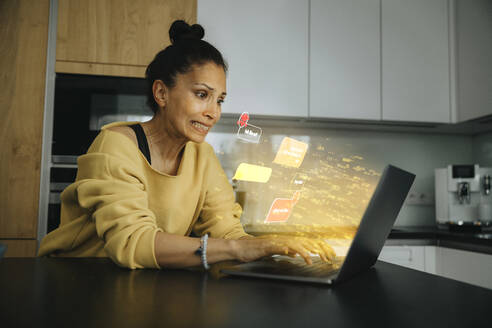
(118, 202)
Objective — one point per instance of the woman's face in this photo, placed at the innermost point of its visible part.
(193, 105)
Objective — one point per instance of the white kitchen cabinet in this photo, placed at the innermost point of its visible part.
(474, 54)
(266, 46)
(470, 267)
(415, 61)
(412, 257)
(473, 268)
(345, 59)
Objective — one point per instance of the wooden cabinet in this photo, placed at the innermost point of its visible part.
(415, 61)
(344, 75)
(20, 247)
(24, 35)
(473, 26)
(119, 38)
(266, 46)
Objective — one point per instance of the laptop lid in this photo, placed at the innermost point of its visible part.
(377, 221)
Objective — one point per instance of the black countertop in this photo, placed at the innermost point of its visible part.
(465, 240)
(48, 292)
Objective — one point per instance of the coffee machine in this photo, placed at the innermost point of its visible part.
(463, 197)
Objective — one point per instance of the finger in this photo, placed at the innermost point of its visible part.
(321, 248)
(323, 257)
(310, 246)
(328, 251)
(301, 251)
(314, 247)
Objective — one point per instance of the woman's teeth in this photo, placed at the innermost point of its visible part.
(200, 126)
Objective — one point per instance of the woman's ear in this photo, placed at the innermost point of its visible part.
(159, 90)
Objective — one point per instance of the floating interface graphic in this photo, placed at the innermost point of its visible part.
(248, 132)
(282, 208)
(253, 173)
(335, 184)
(291, 152)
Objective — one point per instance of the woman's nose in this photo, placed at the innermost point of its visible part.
(213, 111)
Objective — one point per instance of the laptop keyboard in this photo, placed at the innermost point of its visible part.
(297, 266)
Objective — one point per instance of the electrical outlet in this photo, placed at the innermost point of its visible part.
(419, 198)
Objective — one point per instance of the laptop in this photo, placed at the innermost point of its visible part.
(374, 228)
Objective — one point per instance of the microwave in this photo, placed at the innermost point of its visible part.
(84, 103)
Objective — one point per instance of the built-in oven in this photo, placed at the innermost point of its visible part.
(83, 104)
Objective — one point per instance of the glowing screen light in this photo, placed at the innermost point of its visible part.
(253, 173)
(332, 177)
(291, 152)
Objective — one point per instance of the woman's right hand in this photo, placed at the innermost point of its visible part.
(252, 249)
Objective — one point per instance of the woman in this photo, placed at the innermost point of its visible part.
(142, 189)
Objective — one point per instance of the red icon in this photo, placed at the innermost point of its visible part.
(243, 120)
(282, 208)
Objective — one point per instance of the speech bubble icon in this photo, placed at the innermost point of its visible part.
(249, 133)
(291, 152)
(282, 208)
(253, 173)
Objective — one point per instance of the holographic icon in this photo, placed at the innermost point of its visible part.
(243, 120)
(253, 173)
(291, 152)
(298, 180)
(248, 132)
(282, 208)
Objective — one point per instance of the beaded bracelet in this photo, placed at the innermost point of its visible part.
(202, 251)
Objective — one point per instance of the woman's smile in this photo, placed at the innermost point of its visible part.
(200, 127)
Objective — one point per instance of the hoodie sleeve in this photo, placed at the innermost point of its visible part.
(220, 213)
(112, 190)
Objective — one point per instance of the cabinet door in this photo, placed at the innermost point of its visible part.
(470, 267)
(20, 248)
(266, 46)
(474, 42)
(115, 37)
(345, 59)
(412, 257)
(24, 37)
(415, 61)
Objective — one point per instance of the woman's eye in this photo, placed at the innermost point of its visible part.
(220, 101)
(201, 94)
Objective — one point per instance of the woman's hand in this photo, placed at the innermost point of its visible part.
(252, 249)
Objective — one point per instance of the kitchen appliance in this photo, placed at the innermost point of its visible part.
(463, 197)
(84, 103)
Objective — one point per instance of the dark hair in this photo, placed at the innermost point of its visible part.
(187, 49)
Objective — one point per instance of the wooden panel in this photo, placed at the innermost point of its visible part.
(122, 32)
(20, 248)
(24, 35)
(100, 69)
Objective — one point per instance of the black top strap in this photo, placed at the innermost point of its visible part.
(142, 140)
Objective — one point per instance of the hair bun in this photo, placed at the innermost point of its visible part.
(180, 30)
